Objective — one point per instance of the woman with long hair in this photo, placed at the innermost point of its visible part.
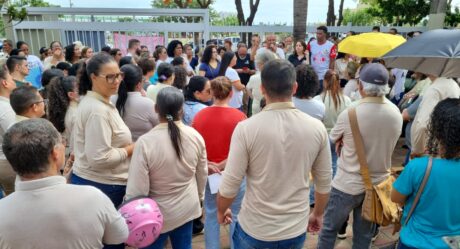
(175, 180)
(103, 143)
(428, 225)
(197, 93)
(72, 53)
(226, 69)
(209, 66)
(62, 107)
(180, 79)
(300, 56)
(217, 141)
(137, 111)
(341, 64)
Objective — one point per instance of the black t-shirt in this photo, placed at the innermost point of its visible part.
(295, 60)
(242, 63)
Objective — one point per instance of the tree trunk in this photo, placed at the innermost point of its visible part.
(339, 22)
(330, 21)
(300, 19)
(240, 13)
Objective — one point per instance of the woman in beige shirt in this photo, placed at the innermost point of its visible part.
(169, 165)
(102, 144)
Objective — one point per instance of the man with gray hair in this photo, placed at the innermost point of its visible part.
(71, 216)
(380, 124)
(255, 81)
(276, 160)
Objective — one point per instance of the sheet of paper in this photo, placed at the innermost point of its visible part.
(214, 182)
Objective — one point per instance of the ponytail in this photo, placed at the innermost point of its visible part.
(132, 78)
(84, 81)
(59, 100)
(174, 134)
(122, 98)
(169, 105)
(332, 87)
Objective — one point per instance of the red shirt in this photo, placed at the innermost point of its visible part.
(216, 125)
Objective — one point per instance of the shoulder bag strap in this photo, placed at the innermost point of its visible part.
(420, 190)
(359, 148)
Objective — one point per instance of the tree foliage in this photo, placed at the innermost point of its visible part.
(360, 17)
(399, 12)
(452, 16)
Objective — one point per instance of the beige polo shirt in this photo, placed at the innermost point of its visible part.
(380, 124)
(48, 213)
(276, 150)
(177, 185)
(100, 136)
(440, 89)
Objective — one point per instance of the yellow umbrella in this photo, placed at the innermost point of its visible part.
(371, 45)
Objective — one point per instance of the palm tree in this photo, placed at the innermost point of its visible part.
(339, 22)
(300, 19)
(330, 21)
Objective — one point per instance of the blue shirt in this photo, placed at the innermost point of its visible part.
(210, 72)
(438, 212)
(191, 108)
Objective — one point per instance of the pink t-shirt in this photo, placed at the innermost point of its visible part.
(321, 56)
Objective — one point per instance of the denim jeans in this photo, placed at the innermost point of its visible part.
(334, 170)
(212, 227)
(337, 211)
(114, 192)
(181, 238)
(242, 240)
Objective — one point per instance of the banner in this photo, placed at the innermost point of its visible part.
(121, 41)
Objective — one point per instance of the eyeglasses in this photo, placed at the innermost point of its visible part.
(119, 54)
(38, 102)
(111, 78)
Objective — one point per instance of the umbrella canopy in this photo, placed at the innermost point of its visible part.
(371, 45)
(436, 52)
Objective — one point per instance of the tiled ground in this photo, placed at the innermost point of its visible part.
(384, 239)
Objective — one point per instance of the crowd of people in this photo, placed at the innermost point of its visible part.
(83, 132)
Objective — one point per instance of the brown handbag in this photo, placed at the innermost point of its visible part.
(377, 206)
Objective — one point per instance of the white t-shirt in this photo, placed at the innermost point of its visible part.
(279, 52)
(321, 56)
(312, 107)
(237, 99)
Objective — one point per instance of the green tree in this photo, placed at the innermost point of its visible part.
(16, 10)
(399, 12)
(452, 15)
(360, 17)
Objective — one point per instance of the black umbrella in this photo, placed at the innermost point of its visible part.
(436, 52)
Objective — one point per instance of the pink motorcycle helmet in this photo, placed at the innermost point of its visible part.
(144, 221)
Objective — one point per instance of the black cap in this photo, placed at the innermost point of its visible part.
(374, 73)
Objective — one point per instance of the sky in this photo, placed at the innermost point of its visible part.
(270, 11)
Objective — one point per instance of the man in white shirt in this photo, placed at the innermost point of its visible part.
(134, 48)
(323, 54)
(276, 160)
(270, 44)
(71, 216)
